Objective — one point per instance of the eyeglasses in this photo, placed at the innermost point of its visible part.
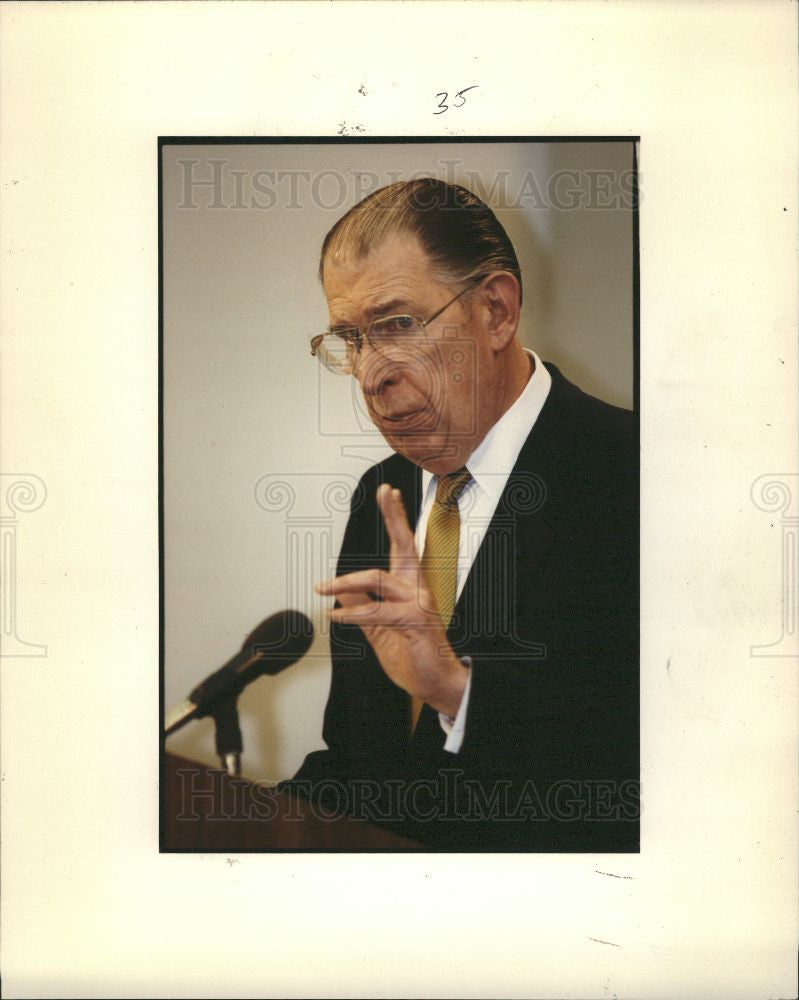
(392, 336)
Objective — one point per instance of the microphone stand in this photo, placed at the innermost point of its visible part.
(225, 714)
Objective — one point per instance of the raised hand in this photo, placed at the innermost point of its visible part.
(398, 617)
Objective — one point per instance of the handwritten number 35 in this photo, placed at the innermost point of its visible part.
(457, 101)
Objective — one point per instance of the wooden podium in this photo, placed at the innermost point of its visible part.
(202, 809)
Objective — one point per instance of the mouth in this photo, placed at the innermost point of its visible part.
(406, 417)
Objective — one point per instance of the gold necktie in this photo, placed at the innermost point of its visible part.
(440, 558)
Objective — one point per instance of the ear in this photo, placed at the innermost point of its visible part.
(500, 297)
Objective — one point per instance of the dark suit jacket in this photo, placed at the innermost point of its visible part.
(549, 618)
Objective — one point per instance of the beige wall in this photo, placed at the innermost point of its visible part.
(262, 447)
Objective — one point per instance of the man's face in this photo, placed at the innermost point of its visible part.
(432, 401)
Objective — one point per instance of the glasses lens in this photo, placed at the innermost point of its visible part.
(396, 336)
(337, 352)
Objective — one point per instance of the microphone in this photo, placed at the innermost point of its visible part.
(275, 644)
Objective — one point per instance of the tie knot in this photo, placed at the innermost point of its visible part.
(451, 486)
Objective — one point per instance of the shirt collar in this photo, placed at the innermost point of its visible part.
(494, 458)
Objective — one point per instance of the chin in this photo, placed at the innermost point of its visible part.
(433, 454)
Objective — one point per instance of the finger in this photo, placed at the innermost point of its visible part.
(372, 613)
(347, 600)
(396, 520)
(391, 615)
(374, 581)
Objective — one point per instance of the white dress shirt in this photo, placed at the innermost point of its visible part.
(490, 464)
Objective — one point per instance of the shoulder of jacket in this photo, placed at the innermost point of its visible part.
(595, 415)
(392, 469)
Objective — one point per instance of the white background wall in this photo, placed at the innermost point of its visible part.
(245, 404)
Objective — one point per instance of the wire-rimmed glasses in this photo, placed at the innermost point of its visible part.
(392, 336)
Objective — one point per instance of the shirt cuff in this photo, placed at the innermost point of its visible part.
(456, 728)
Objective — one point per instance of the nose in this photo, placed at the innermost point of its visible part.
(375, 371)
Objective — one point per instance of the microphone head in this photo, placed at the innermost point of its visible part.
(271, 647)
(280, 640)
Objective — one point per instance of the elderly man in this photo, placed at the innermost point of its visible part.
(485, 630)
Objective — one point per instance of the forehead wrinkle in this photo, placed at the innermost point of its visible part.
(382, 297)
(395, 269)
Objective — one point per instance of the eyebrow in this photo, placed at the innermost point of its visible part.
(381, 309)
(387, 307)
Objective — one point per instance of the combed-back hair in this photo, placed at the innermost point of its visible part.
(459, 232)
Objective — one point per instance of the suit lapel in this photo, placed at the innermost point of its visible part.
(519, 537)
